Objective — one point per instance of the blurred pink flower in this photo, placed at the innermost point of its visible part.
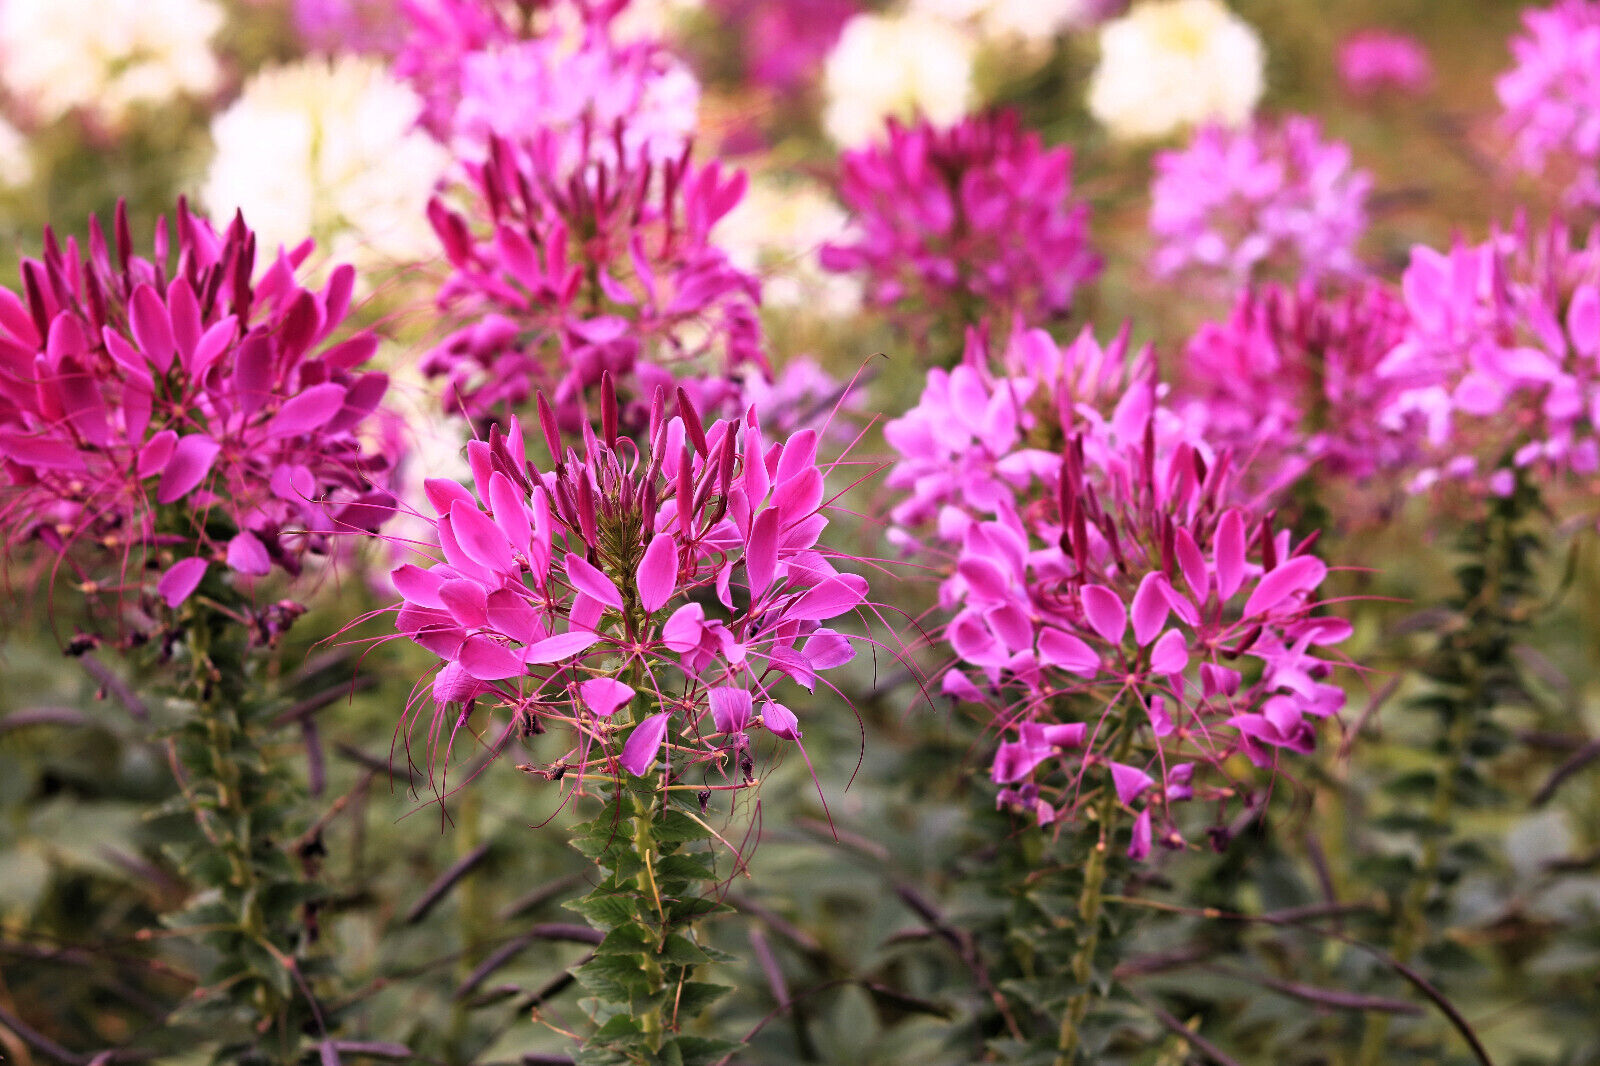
(335, 26)
(1238, 205)
(976, 215)
(1292, 379)
(1551, 98)
(1374, 60)
(783, 42)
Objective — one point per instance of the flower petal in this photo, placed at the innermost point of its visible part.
(644, 744)
(180, 580)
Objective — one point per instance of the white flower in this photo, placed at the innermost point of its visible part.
(16, 165)
(1168, 64)
(896, 65)
(328, 150)
(106, 55)
(775, 232)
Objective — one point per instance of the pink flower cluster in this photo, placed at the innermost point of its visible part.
(162, 416)
(783, 42)
(1551, 97)
(1237, 205)
(975, 215)
(1502, 354)
(684, 581)
(981, 435)
(440, 35)
(335, 26)
(1375, 60)
(572, 276)
(518, 90)
(1106, 598)
(1295, 379)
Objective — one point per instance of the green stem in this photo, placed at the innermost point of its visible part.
(1091, 904)
(643, 843)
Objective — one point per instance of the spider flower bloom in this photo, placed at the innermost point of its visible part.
(1502, 354)
(1374, 60)
(334, 26)
(782, 43)
(1551, 97)
(440, 34)
(895, 65)
(1292, 379)
(1234, 205)
(1135, 633)
(516, 90)
(572, 276)
(683, 581)
(982, 436)
(158, 419)
(978, 213)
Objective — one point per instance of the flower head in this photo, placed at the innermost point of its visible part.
(1130, 624)
(158, 419)
(783, 43)
(895, 66)
(1294, 379)
(1551, 97)
(1169, 64)
(683, 581)
(1501, 357)
(333, 26)
(978, 213)
(1374, 60)
(1236, 204)
(570, 276)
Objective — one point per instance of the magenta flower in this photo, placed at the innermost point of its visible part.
(1292, 379)
(685, 581)
(967, 449)
(1138, 628)
(566, 277)
(335, 26)
(519, 90)
(440, 35)
(1372, 61)
(1236, 205)
(783, 42)
(1551, 98)
(978, 214)
(1109, 599)
(1502, 355)
(160, 417)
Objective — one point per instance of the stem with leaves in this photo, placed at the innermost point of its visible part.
(654, 853)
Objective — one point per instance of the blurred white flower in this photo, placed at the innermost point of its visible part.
(16, 165)
(328, 150)
(899, 65)
(775, 232)
(1030, 21)
(1169, 64)
(106, 56)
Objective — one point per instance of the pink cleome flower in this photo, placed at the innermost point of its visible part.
(1237, 204)
(1374, 60)
(684, 580)
(611, 269)
(1502, 355)
(166, 417)
(335, 26)
(978, 214)
(784, 42)
(1110, 601)
(1551, 98)
(1292, 379)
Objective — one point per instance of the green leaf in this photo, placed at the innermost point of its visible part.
(606, 912)
(695, 996)
(681, 951)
